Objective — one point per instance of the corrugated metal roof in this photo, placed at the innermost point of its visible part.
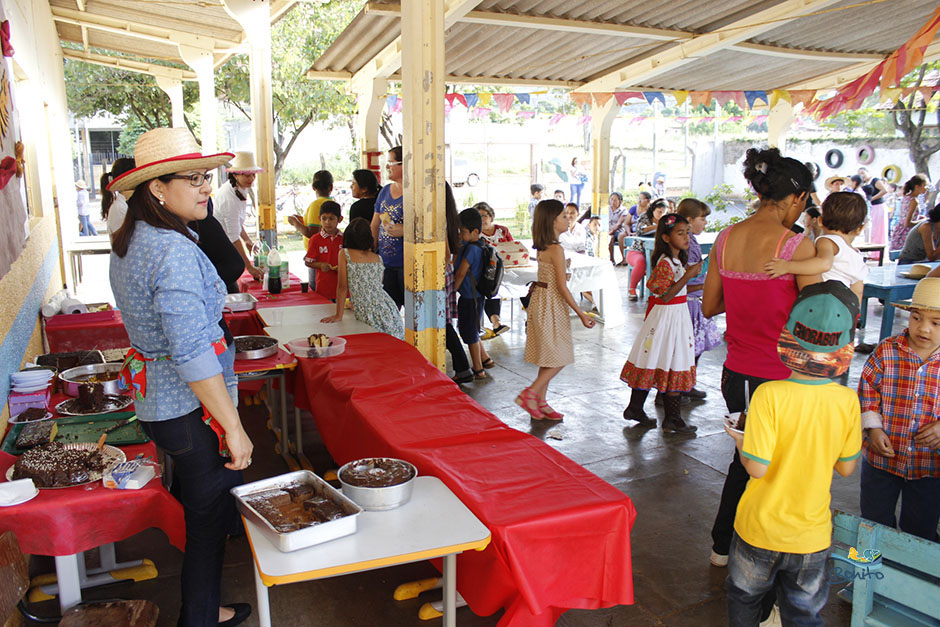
(576, 41)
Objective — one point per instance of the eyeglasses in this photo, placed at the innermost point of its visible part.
(391, 163)
(196, 180)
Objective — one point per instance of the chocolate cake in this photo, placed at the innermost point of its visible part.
(36, 433)
(319, 340)
(33, 413)
(54, 466)
(742, 418)
(90, 396)
(294, 507)
(377, 472)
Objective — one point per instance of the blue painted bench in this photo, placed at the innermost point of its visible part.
(900, 584)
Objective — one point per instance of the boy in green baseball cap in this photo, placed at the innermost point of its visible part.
(797, 430)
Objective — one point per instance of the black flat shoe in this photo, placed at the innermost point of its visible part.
(698, 395)
(466, 378)
(678, 426)
(640, 417)
(242, 612)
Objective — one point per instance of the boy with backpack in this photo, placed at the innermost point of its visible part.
(477, 269)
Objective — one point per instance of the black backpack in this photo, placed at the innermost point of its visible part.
(492, 276)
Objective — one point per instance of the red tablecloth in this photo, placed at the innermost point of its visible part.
(287, 298)
(561, 535)
(73, 332)
(69, 520)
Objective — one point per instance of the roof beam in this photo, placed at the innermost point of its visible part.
(674, 54)
(135, 29)
(451, 79)
(556, 24)
(129, 65)
(809, 55)
(837, 78)
(388, 60)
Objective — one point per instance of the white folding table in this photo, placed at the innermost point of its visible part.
(434, 523)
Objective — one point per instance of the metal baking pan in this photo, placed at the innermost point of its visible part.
(258, 353)
(74, 377)
(240, 302)
(309, 536)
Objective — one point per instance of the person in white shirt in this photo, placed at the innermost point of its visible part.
(114, 203)
(231, 203)
(86, 228)
(575, 237)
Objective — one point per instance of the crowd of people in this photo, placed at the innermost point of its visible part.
(177, 251)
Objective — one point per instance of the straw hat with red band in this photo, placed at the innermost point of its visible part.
(164, 151)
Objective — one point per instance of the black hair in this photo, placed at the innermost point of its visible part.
(572, 204)
(559, 191)
(470, 219)
(534, 188)
(913, 182)
(485, 207)
(661, 247)
(855, 178)
(813, 211)
(773, 176)
(934, 214)
(234, 184)
(648, 195)
(396, 150)
(659, 202)
(844, 212)
(119, 167)
(322, 181)
(617, 194)
(143, 205)
(332, 207)
(358, 235)
(367, 181)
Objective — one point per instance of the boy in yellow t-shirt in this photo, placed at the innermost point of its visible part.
(797, 430)
(308, 225)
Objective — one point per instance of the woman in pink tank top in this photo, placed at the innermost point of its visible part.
(756, 306)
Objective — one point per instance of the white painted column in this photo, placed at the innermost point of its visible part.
(174, 89)
(422, 26)
(255, 17)
(778, 123)
(201, 60)
(602, 120)
(371, 96)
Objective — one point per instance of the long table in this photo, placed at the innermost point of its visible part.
(561, 535)
(887, 284)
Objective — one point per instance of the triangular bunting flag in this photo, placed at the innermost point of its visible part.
(580, 98)
(753, 96)
(461, 99)
(504, 101)
(522, 97)
(802, 96)
(680, 96)
(621, 97)
(470, 100)
(777, 95)
(390, 101)
(654, 95)
(556, 119)
(485, 97)
(450, 98)
(602, 97)
(700, 98)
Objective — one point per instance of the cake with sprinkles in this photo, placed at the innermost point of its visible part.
(55, 466)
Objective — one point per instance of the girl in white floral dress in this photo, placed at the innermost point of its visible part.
(360, 274)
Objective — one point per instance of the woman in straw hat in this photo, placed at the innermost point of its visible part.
(231, 204)
(171, 299)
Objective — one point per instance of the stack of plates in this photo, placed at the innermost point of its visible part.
(29, 381)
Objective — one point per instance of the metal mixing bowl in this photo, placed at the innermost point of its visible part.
(379, 499)
(73, 377)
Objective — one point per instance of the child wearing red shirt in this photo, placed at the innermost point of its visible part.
(323, 250)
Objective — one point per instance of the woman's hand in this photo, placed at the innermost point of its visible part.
(336, 318)
(586, 320)
(296, 221)
(240, 446)
(256, 273)
(394, 229)
(880, 443)
(695, 269)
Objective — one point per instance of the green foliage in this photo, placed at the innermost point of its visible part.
(296, 41)
(129, 134)
(340, 165)
(866, 123)
(519, 224)
(717, 198)
(134, 99)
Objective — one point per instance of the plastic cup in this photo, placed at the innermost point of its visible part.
(304, 286)
(277, 318)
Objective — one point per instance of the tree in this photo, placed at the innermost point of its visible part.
(909, 118)
(133, 98)
(296, 42)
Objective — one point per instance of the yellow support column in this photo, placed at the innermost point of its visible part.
(422, 26)
(602, 120)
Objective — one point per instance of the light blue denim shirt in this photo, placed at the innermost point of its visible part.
(171, 298)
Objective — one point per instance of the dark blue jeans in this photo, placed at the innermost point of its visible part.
(393, 280)
(920, 501)
(202, 484)
(469, 311)
(801, 582)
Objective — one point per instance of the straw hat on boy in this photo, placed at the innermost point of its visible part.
(165, 151)
(80, 184)
(926, 296)
(243, 163)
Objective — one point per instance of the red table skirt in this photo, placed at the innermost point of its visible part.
(287, 298)
(561, 535)
(70, 520)
(73, 332)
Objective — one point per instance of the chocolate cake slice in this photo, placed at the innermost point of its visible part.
(54, 466)
(36, 433)
(90, 396)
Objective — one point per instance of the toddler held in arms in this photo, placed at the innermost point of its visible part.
(843, 218)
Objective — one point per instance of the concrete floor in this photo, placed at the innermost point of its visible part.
(674, 481)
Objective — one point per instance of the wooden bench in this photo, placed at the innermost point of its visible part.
(901, 587)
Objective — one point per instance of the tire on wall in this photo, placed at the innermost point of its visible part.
(834, 158)
(892, 174)
(865, 154)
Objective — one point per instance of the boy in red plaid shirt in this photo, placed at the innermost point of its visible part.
(899, 392)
